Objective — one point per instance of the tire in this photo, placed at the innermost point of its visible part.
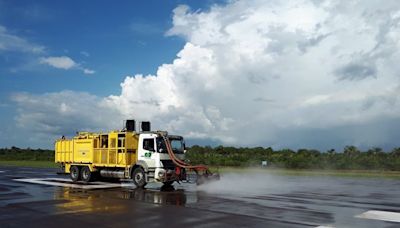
(167, 188)
(86, 175)
(74, 173)
(138, 177)
(168, 183)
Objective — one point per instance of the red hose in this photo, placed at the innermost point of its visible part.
(179, 162)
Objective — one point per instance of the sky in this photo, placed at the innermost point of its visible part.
(282, 74)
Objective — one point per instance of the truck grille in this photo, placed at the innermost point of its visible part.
(168, 164)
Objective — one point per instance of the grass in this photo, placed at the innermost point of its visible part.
(302, 172)
(27, 163)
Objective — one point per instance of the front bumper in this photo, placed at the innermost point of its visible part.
(168, 175)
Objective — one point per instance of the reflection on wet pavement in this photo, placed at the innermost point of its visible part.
(79, 200)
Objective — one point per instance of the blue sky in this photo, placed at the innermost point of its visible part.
(287, 74)
(119, 39)
(113, 39)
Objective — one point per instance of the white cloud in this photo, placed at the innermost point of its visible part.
(62, 62)
(51, 115)
(276, 73)
(11, 42)
(85, 53)
(88, 71)
(320, 66)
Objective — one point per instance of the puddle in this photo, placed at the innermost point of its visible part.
(124, 190)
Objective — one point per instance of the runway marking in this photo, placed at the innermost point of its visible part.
(1, 171)
(61, 182)
(381, 215)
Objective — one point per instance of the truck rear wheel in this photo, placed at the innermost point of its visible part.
(74, 173)
(139, 178)
(86, 175)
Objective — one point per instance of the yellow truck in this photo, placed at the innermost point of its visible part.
(144, 156)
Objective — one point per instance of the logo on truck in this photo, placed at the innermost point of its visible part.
(147, 155)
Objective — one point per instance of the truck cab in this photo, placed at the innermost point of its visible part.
(154, 159)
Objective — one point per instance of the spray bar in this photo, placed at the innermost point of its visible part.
(206, 175)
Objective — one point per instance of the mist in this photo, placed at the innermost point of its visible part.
(251, 184)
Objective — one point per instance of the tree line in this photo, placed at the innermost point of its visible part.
(351, 158)
(28, 154)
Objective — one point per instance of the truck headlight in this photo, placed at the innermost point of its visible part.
(161, 173)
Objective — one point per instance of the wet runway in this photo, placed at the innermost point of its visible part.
(38, 197)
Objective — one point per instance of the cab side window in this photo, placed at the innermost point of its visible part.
(148, 144)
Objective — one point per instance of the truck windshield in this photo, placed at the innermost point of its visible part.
(177, 145)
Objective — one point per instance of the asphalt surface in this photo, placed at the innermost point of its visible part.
(237, 200)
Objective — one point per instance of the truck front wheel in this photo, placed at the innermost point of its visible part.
(168, 183)
(86, 175)
(139, 178)
(74, 173)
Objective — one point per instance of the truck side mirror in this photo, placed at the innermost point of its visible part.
(184, 147)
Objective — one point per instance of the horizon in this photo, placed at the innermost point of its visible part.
(295, 150)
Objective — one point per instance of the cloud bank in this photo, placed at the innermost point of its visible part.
(293, 73)
(51, 115)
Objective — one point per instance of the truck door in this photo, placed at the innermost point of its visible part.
(147, 151)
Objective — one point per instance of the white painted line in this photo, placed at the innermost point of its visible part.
(380, 215)
(61, 183)
(1, 171)
(325, 227)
